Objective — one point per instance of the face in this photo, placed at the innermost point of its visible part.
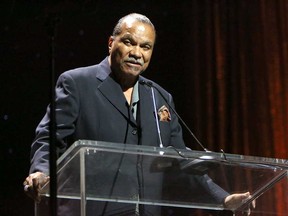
(131, 50)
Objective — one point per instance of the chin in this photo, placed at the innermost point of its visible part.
(133, 72)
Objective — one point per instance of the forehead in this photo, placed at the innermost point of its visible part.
(137, 29)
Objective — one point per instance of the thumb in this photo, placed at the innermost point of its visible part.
(245, 195)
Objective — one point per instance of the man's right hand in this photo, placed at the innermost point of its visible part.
(33, 183)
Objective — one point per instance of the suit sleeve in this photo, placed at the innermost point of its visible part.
(215, 191)
(67, 108)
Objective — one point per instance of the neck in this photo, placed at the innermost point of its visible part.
(126, 82)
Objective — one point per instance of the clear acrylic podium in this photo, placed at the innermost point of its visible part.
(101, 178)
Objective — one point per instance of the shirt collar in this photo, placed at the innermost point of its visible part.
(135, 94)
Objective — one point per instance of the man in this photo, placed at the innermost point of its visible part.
(111, 102)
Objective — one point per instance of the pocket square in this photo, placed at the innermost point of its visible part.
(164, 114)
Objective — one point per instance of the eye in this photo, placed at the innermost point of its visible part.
(127, 42)
(146, 47)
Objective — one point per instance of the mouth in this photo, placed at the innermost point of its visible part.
(134, 63)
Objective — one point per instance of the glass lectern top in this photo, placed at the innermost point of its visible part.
(104, 172)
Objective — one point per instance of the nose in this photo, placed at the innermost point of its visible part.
(136, 52)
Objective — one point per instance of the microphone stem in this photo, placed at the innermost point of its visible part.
(191, 133)
(156, 118)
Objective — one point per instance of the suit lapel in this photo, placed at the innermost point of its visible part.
(113, 93)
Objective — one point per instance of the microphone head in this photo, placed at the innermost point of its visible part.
(148, 83)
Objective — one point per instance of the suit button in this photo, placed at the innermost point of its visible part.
(134, 131)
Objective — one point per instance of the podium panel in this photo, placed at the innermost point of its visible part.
(101, 178)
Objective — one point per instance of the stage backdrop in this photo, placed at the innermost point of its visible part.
(224, 61)
(235, 77)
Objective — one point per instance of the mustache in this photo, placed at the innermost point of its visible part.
(135, 61)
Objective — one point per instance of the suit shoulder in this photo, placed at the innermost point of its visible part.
(81, 71)
(101, 71)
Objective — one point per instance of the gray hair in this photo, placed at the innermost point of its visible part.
(139, 17)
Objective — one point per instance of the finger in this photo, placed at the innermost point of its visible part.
(254, 204)
(245, 195)
(27, 185)
(26, 188)
(248, 211)
(35, 183)
(27, 181)
(36, 189)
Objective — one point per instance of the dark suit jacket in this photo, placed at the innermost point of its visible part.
(90, 105)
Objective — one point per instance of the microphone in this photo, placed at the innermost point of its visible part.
(155, 111)
(150, 84)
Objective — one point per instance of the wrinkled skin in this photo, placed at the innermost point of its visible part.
(233, 200)
(33, 184)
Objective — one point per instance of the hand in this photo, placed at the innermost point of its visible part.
(33, 183)
(235, 200)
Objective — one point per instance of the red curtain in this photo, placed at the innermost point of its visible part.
(238, 58)
(238, 53)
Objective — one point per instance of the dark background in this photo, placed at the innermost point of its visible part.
(225, 63)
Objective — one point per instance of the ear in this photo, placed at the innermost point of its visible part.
(110, 43)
